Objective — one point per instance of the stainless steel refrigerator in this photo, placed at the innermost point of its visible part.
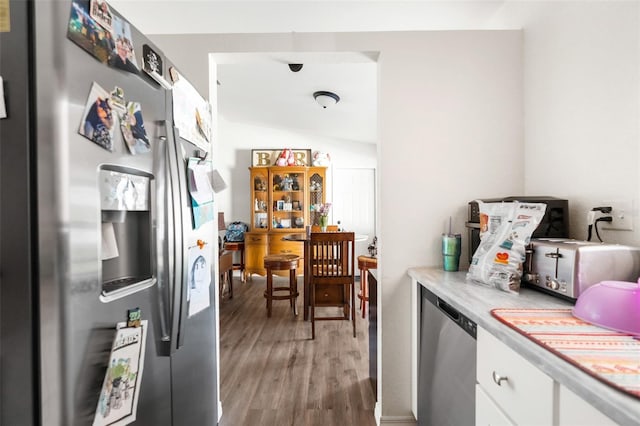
(60, 295)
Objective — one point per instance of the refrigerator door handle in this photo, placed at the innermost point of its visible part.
(178, 186)
(165, 235)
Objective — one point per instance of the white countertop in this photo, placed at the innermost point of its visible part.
(476, 302)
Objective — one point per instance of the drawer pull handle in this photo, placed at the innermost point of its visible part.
(498, 378)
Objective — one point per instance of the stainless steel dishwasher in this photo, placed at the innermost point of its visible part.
(446, 364)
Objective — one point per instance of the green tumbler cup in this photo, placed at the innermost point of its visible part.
(451, 248)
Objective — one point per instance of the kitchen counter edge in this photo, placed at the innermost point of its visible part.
(476, 302)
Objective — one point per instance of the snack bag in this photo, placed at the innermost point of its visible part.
(492, 215)
(498, 260)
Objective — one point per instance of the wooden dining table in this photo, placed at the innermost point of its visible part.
(306, 239)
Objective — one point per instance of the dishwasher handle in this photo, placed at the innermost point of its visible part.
(457, 317)
(449, 310)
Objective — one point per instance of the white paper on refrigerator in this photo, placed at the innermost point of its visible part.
(199, 278)
(118, 402)
(199, 183)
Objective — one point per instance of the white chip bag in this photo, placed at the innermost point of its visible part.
(498, 260)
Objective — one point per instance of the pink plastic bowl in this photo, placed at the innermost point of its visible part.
(611, 304)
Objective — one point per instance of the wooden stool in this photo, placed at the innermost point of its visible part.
(237, 246)
(281, 262)
(364, 264)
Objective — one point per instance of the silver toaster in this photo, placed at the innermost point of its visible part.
(568, 267)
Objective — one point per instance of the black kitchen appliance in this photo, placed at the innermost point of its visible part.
(554, 224)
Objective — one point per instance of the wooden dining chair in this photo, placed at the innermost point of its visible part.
(332, 276)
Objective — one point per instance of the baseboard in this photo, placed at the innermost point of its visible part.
(219, 411)
(392, 420)
(397, 420)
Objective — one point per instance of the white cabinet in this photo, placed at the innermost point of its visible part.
(512, 391)
(575, 411)
(487, 412)
(519, 389)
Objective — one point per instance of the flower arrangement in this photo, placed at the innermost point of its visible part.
(323, 210)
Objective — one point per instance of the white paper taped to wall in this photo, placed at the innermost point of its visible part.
(3, 109)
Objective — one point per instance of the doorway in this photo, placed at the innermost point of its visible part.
(264, 104)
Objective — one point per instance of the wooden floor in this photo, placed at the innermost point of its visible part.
(272, 373)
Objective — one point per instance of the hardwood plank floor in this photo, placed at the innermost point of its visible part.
(272, 373)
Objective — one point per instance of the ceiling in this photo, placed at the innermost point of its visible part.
(260, 89)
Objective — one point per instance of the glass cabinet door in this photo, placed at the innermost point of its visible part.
(288, 198)
(317, 192)
(260, 198)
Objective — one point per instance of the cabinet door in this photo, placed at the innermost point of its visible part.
(574, 411)
(255, 249)
(317, 192)
(288, 201)
(487, 412)
(259, 198)
(520, 389)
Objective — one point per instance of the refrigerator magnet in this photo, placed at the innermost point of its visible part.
(134, 317)
(100, 12)
(118, 101)
(84, 31)
(124, 56)
(98, 120)
(174, 74)
(152, 65)
(133, 131)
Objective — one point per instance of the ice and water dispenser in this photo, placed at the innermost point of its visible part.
(127, 240)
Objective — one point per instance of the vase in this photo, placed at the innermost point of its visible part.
(322, 221)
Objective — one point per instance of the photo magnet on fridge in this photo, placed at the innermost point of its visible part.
(123, 56)
(98, 120)
(100, 12)
(133, 131)
(84, 31)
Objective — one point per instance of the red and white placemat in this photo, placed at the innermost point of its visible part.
(609, 356)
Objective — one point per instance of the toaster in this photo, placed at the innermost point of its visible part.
(566, 267)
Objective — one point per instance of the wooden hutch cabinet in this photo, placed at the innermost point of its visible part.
(281, 200)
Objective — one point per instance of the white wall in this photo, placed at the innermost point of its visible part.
(450, 122)
(582, 107)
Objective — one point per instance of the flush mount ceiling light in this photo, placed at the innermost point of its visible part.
(325, 98)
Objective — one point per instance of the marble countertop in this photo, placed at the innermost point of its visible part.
(476, 302)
